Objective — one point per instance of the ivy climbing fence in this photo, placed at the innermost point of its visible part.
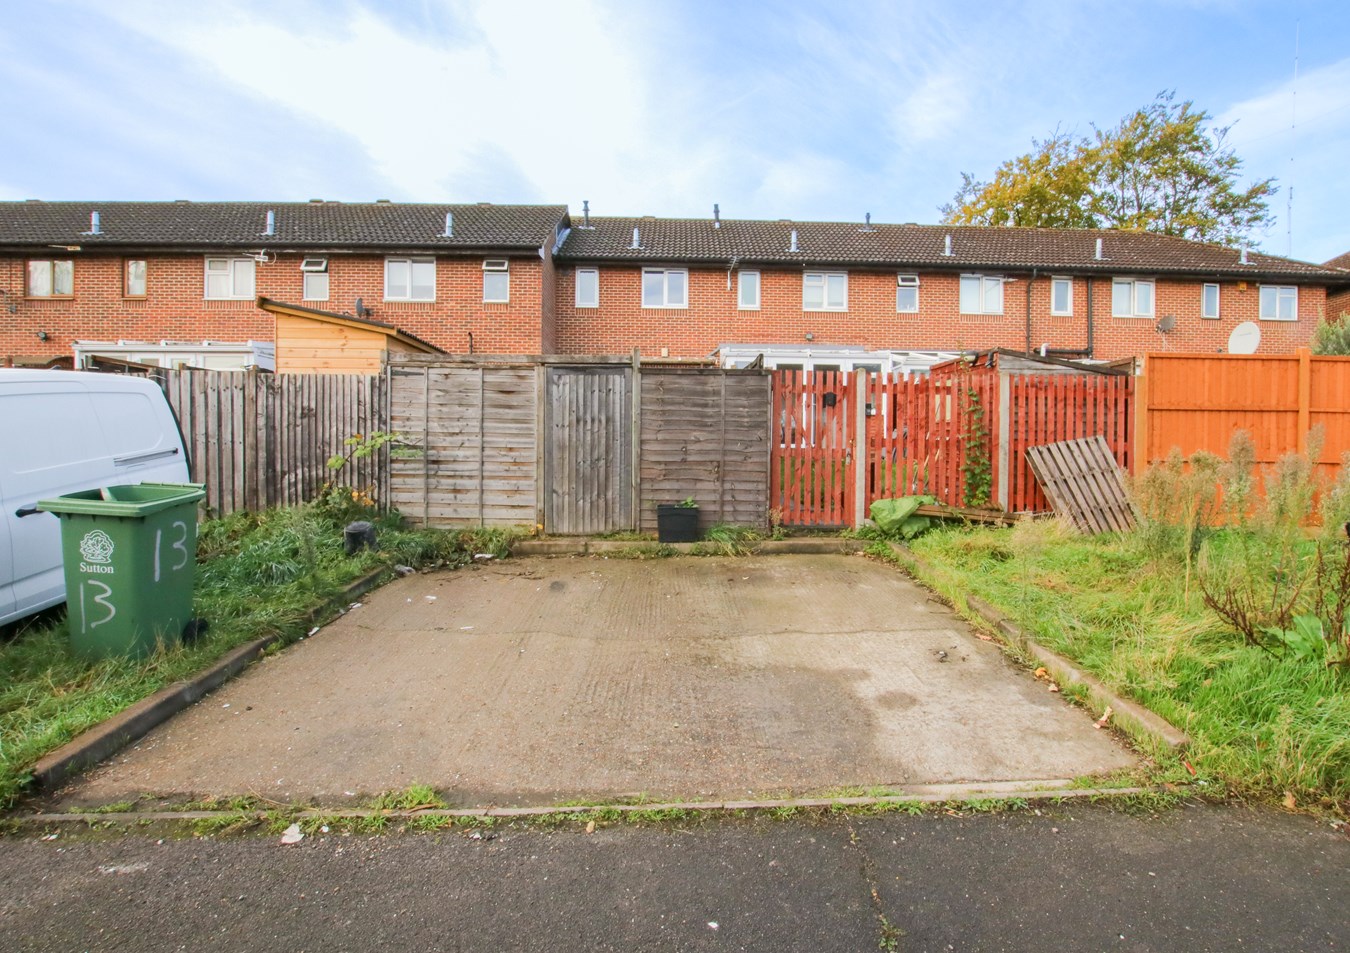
(845, 439)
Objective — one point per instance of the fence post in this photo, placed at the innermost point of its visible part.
(1004, 453)
(861, 453)
(1304, 398)
(1142, 451)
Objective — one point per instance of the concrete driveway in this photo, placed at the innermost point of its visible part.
(537, 680)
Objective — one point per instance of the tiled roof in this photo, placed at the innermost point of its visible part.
(298, 224)
(1340, 261)
(855, 244)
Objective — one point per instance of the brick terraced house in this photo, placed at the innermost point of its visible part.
(464, 277)
(181, 281)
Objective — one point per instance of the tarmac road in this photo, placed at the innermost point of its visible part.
(1074, 878)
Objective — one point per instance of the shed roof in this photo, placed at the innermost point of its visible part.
(347, 320)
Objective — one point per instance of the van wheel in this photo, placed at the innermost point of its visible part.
(194, 630)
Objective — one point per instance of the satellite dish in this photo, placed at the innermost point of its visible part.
(1167, 323)
(1246, 337)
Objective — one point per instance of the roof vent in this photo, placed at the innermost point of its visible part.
(93, 224)
(316, 201)
(637, 239)
(947, 247)
(793, 245)
(1242, 260)
(1099, 256)
(717, 216)
(271, 227)
(383, 202)
(585, 213)
(449, 225)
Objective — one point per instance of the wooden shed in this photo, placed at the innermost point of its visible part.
(309, 341)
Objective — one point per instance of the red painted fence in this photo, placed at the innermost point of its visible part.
(844, 440)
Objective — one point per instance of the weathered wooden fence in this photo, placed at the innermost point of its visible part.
(260, 440)
(577, 445)
(844, 440)
(1196, 402)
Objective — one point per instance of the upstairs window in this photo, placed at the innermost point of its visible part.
(588, 288)
(133, 278)
(907, 294)
(51, 279)
(825, 291)
(1061, 296)
(1209, 301)
(1132, 298)
(747, 291)
(410, 279)
(229, 278)
(665, 288)
(1279, 303)
(315, 272)
(981, 294)
(496, 281)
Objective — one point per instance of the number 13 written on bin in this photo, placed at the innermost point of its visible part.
(180, 545)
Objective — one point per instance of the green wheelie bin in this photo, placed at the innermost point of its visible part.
(129, 554)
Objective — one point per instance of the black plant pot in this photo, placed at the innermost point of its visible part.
(676, 524)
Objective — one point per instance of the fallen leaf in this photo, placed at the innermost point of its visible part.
(293, 835)
(1041, 673)
(984, 638)
(590, 827)
(1054, 687)
(1101, 722)
(1290, 801)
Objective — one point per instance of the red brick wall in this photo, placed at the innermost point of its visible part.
(174, 307)
(1338, 303)
(712, 318)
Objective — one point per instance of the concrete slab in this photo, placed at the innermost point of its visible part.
(538, 680)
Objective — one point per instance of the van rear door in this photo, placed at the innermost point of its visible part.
(6, 557)
(50, 444)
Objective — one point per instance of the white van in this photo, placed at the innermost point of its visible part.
(62, 431)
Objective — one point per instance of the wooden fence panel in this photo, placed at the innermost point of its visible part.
(263, 440)
(588, 469)
(812, 441)
(474, 430)
(705, 434)
(1196, 402)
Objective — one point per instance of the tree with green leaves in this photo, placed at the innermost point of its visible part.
(1162, 169)
(1332, 336)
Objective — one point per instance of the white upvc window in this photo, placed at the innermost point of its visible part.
(1209, 301)
(747, 291)
(907, 294)
(496, 281)
(51, 279)
(981, 294)
(133, 278)
(1132, 297)
(588, 288)
(825, 291)
(410, 279)
(230, 278)
(1061, 296)
(665, 287)
(315, 274)
(1279, 303)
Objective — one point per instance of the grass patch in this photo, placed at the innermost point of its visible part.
(416, 797)
(258, 574)
(1262, 724)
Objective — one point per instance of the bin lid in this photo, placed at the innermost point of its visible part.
(133, 499)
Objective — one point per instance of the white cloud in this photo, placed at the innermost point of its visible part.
(935, 109)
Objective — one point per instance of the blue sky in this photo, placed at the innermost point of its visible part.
(774, 110)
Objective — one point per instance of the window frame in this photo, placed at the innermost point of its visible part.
(314, 268)
(51, 269)
(1204, 301)
(665, 274)
(986, 282)
(410, 261)
(1279, 291)
(497, 266)
(824, 282)
(594, 275)
(1135, 284)
(907, 282)
(741, 276)
(233, 262)
(1055, 282)
(126, 278)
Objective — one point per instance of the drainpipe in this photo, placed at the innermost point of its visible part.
(1029, 281)
(1089, 317)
